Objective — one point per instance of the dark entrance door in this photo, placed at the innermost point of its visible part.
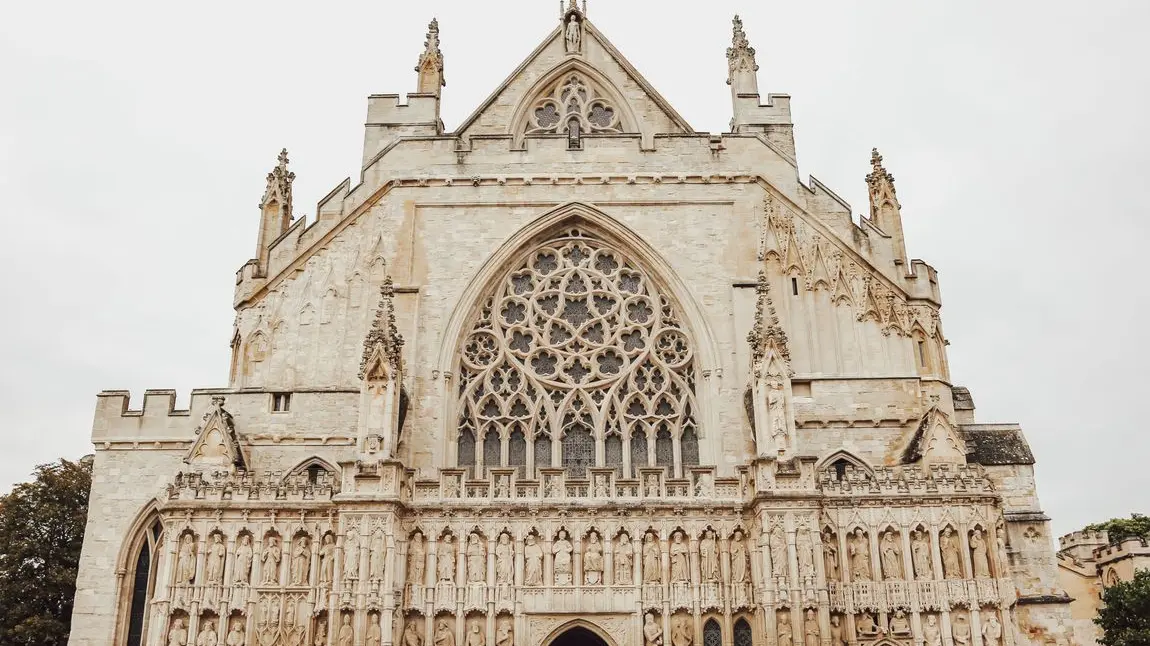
(578, 636)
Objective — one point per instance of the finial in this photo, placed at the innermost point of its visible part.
(383, 337)
(767, 331)
(740, 55)
(878, 174)
(430, 66)
(571, 6)
(279, 185)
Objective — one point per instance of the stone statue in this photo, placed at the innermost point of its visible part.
(899, 624)
(1003, 557)
(681, 632)
(652, 485)
(991, 630)
(320, 634)
(777, 414)
(327, 559)
(891, 556)
(374, 632)
(811, 637)
(237, 637)
(624, 561)
(806, 554)
(593, 560)
(920, 556)
(301, 561)
(244, 556)
(270, 561)
(931, 633)
(503, 487)
(786, 633)
(866, 625)
(951, 561)
(532, 562)
(346, 632)
(778, 542)
(351, 556)
(709, 558)
(475, 637)
(178, 635)
(573, 34)
(214, 568)
(652, 570)
(979, 559)
(504, 632)
(860, 556)
(444, 635)
(831, 556)
(652, 633)
(740, 562)
(376, 555)
(561, 550)
(476, 559)
(504, 560)
(960, 630)
(208, 636)
(416, 559)
(445, 564)
(704, 486)
(601, 489)
(680, 560)
(186, 560)
(411, 636)
(837, 636)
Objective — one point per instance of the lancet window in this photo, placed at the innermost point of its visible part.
(578, 360)
(143, 582)
(573, 107)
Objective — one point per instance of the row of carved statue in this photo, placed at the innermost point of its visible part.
(898, 627)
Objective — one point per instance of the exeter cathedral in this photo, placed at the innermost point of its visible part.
(573, 373)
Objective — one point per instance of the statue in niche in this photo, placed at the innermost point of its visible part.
(891, 556)
(321, 633)
(351, 556)
(991, 630)
(327, 559)
(811, 637)
(532, 562)
(551, 487)
(601, 489)
(503, 487)
(652, 633)
(778, 542)
(786, 633)
(709, 558)
(237, 637)
(951, 560)
(411, 636)
(838, 638)
(374, 632)
(652, 485)
(960, 630)
(504, 632)
(979, 558)
(504, 560)
(775, 407)
(416, 559)
(186, 560)
(1000, 540)
(899, 624)
(920, 556)
(346, 633)
(704, 486)
(740, 560)
(376, 555)
(208, 635)
(475, 637)
(244, 556)
(624, 560)
(681, 632)
(860, 556)
(806, 554)
(444, 635)
(652, 571)
(593, 560)
(866, 625)
(561, 550)
(301, 561)
(445, 564)
(178, 635)
(270, 561)
(573, 34)
(830, 556)
(214, 568)
(476, 559)
(680, 560)
(931, 633)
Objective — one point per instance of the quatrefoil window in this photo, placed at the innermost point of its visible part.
(573, 107)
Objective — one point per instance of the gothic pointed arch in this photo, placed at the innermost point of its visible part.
(573, 90)
(138, 562)
(579, 631)
(580, 324)
(316, 470)
(839, 460)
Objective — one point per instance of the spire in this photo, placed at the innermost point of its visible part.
(885, 210)
(383, 343)
(741, 66)
(430, 65)
(279, 186)
(767, 333)
(879, 179)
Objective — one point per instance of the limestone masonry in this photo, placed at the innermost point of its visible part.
(573, 373)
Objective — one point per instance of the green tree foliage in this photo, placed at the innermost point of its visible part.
(1119, 529)
(41, 530)
(1125, 619)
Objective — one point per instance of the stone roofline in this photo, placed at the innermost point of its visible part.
(1075, 539)
(1131, 547)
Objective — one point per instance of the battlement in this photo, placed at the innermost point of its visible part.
(1131, 547)
(1083, 538)
(390, 110)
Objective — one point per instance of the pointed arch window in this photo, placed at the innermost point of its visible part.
(743, 635)
(142, 579)
(689, 445)
(517, 451)
(573, 105)
(712, 634)
(613, 452)
(577, 339)
(492, 448)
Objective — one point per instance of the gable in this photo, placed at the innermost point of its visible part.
(642, 110)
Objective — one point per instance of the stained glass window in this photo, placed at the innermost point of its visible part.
(664, 448)
(492, 449)
(712, 634)
(743, 636)
(613, 452)
(542, 452)
(517, 451)
(578, 451)
(466, 448)
(143, 584)
(689, 447)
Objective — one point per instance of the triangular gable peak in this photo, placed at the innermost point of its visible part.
(936, 441)
(217, 444)
(575, 72)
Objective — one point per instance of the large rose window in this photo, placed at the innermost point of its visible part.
(577, 360)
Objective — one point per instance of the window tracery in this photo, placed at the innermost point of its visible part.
(577, 345)
(573, 107)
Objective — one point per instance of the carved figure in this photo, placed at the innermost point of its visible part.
(504, 560)
(244, 556)
(806, 554)
(704, 486)
(601, 489)
(374, 632)
(444, 635)
(301, 561)
(812, 630)
(270, 561)
(573, 34)
(593, 560)
(346, 633)
(899, 625)
(445, 564)
(375, 556)
(709, 558)
(476, 559)
(681, 632)
(786, 633)
(208, 636)
(920, 556)
(327, 559)
(680, 561)
(991, 630)
(652, 633)
(624, 561)
(831, 556)
(416, 559)
(960, 630)
(186, 560)
(237, 637)
(214, 568)
(740, 563)
(891, 556)
(951, 561)
(866, 625)
(652, 572)
(411, 636)
(652, 485)
(837, 636)
(775, 406)
(475, 637)
(931, 633)
(178, 635)
(351, 552)
(504, 632)
(778, 543)
(320, 634)
(979, 559)
(561, 550)
(503, 487)
(532, 562)
(1003, 557)
(860, 556)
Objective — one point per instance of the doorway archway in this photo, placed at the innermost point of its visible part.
(578, 636)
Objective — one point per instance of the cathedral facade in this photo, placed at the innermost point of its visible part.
(572, 373)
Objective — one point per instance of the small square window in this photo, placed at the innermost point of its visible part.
(281, 402)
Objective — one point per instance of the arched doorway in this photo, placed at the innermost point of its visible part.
(578, 636)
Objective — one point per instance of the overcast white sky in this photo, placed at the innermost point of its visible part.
(135, 136)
